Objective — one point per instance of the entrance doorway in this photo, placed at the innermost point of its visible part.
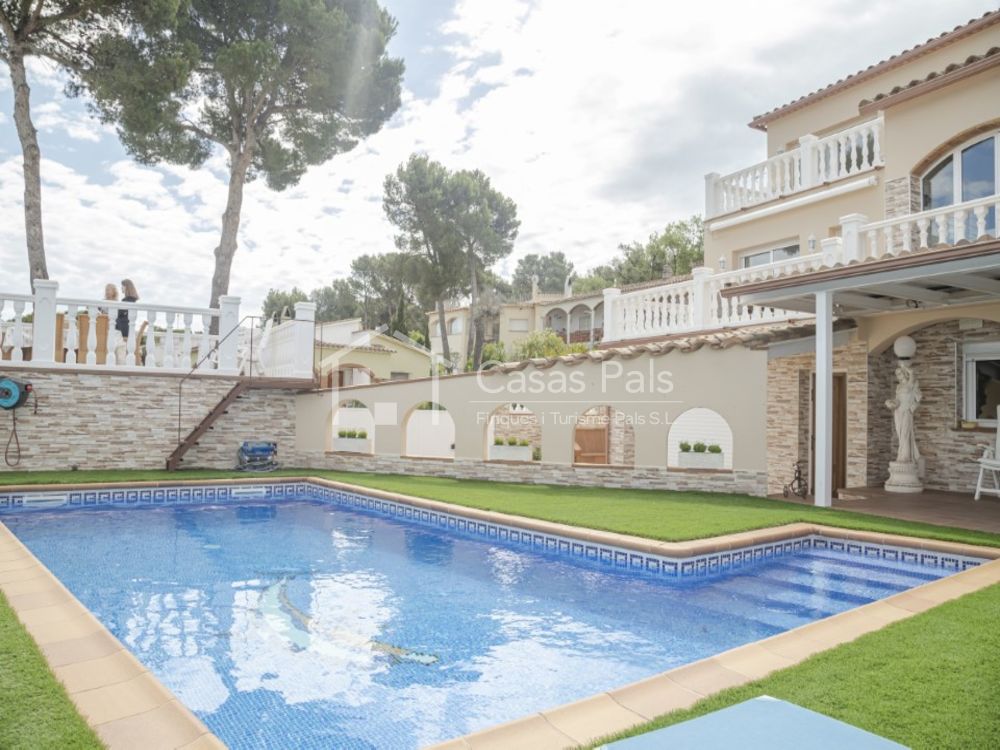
(839, 431)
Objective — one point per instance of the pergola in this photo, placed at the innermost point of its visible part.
(949, 276)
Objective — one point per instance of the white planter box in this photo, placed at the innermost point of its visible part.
(351, 445)
(706, 460)
(510, 453)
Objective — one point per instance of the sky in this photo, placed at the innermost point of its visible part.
(599, 119)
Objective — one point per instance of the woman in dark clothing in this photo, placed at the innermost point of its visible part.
(129, 294)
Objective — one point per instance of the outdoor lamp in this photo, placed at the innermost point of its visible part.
(905, 347)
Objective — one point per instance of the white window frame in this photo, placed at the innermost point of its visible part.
(956, 167)
(517, 328)
(770, 250)
(972, 353)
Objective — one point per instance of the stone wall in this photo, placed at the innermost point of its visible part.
(950, 453)
(129, 421)
(521, 424)
(738, 482)
(789, 415)
(902, 196)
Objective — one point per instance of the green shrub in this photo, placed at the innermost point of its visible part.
(352, 434)
(512, 441)
(498, 441)
(342, 433)
(524, 443)
(713, 448)
(685, 447)
(536, 454)
(699, 447)
(363, 434)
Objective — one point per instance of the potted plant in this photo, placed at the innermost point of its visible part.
(510, 449)
(352, 441)
(700, 455)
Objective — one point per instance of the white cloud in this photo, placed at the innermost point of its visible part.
(598, 119)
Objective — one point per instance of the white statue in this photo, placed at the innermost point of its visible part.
(905, 471)
(903, 406)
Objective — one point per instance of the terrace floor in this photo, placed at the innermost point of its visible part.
(955, 509)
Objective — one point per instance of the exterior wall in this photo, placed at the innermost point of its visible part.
(457, 342)
(381, 364)
(820, 220)
(515, 424)
(700, 378)
(129, 421)
(737, 482)
(917, 128)
(950, 453)
(789, 419)
(833, 112)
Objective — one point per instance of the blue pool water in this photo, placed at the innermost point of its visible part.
(300, 624)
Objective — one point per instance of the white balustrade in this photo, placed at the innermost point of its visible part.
(815, 162)
(971, 221)
(45, 330)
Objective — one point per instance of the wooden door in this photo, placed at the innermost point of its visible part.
(839, 438)
(590, 445)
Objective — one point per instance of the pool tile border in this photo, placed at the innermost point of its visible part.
(30, 586)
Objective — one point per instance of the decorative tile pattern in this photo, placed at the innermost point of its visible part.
(700, 566)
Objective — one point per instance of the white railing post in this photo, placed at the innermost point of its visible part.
(807, 161)
(611, 332)
(304, 339)
(229, 320)
(850, 232)
(832, 251)
(711, 193)
(43, 340)
(700, 298)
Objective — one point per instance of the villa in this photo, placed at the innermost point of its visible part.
(615, 548)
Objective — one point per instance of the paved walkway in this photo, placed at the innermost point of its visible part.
(940, 508)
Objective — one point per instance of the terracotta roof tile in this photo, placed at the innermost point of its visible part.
(973, 25)
(993, 52)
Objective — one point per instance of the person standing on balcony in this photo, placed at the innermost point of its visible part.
(129, 294)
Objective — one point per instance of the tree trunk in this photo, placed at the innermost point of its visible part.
(32, 157)
(470, 341)
(230, 231)
(477, 351)
(443, 330)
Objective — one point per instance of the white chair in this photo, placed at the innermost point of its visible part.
(990, 462)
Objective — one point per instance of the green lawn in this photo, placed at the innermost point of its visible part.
(931, 681)
(671, 516)
(35, 711)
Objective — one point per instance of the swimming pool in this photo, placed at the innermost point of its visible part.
(308, 624)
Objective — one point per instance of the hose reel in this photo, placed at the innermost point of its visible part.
(13, 395)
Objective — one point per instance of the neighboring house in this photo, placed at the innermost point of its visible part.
(577, 318)
(346, 354)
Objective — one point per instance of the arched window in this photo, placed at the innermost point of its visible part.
(967, 173)
(454, 326)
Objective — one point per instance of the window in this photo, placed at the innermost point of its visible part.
(399, 376)
(982, 381)
(967, 173)
(454, 326)
(771, 255)
(518, 325)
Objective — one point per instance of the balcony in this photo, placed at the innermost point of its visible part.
(698, 305)
(816, 162)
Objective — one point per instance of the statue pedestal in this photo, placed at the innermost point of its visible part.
(904, 476)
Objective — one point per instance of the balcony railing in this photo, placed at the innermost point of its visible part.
(815, 162)
(697, 304)
(45, 331)
(969, 221)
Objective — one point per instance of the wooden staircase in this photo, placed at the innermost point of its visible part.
(206, 424)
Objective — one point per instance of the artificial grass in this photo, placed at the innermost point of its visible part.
(35, 711)
(931, 681)
(655, 514)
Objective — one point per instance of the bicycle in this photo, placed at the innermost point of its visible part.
(798, 486)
